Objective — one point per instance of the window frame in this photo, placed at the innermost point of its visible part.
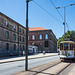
(40, 36)
(33, 37)
(46, 36)
(7, 23)
(7, 35)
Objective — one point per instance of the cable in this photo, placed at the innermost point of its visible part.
(59, 13)
(56, 9)
(68, 27)
(46, 11)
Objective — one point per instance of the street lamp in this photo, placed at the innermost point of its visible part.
(26, 63)
(64, 23)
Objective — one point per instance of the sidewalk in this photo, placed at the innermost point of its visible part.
(29, 57)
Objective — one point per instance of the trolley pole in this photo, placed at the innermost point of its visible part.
(26, 63)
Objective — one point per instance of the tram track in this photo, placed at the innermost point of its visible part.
(55, 69)
(63, 69)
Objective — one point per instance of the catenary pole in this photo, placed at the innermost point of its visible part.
(64, 23)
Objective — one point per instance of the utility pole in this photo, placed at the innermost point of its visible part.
(26, 63)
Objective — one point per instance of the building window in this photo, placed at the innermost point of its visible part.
(14, 27)
(7, 46)
(23, 39)
(20, 38)
(20, 47)
(46, 44)
(20, 30)
(7, 23)
(46, 36)
(40, 37)
(14, 46)
(23, 31)
(7, 35)
(33, 37)
(14, 36)
(28, 37)
(23, 47)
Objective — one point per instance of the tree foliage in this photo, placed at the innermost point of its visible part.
(68, 35)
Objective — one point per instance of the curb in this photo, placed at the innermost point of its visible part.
(28, 59)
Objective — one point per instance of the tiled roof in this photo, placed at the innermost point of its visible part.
(36, 28)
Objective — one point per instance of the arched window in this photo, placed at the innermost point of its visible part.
(33, 37)
(14, 27)
(14, 36)
(20, 38)
(7, 35)
(7, 46)
(7, 23)
(14, 46)
(23, 39)
(40, 37)
(46, 36)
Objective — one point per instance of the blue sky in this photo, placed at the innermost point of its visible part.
(16, 10)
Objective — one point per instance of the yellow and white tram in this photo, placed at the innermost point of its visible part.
(67, 50)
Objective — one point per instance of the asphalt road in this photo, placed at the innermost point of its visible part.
(13, 67)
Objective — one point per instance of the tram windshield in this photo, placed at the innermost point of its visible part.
(65, 46)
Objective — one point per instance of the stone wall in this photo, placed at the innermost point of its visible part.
(13, 29)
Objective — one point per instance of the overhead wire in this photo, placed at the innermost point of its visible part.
(56, 9)
(59, 13)
(47, 11)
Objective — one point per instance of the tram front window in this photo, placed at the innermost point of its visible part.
(65, 46)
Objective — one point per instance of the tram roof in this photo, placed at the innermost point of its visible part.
(67, 42)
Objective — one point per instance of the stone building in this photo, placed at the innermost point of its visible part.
(12, 36)
(43, 38)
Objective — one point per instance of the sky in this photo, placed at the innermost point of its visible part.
(42, 13)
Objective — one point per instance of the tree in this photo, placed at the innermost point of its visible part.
(68, 35)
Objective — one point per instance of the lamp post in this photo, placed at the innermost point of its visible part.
(64, 23)
(26, 63)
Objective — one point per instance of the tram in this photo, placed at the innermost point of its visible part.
(67, 50)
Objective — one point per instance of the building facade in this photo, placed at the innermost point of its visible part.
(12, 36)
(43, 38)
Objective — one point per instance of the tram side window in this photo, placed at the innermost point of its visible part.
(65, 46)
(74, 45)
(71, 46)
(61, 46)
